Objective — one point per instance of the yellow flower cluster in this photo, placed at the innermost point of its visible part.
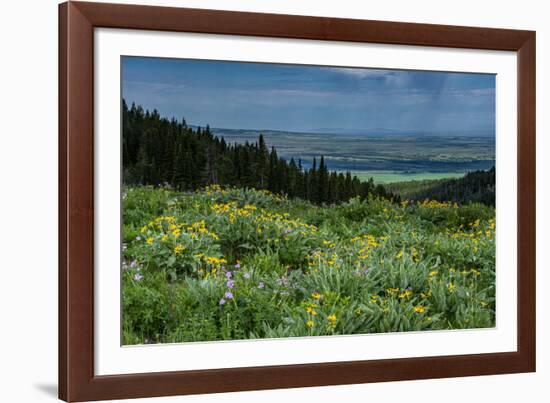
(157, 223)
(406, 294)
(419, 309)
(478, 232)
(233, 211)
(221, 208)
(214, 261)
(436, 204)
(310, 308)
(366, 243)
(315, 258)
(167, 228)
(370, 240)
(263, 219)
(282, 221)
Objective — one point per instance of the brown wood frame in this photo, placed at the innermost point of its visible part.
(77, 21)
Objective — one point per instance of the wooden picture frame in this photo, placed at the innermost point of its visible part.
(77, 21)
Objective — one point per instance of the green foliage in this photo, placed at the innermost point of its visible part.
(158, 152)
(233, 263)
(474, 187)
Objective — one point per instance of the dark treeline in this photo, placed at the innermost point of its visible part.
(476, 186)
(161, 151)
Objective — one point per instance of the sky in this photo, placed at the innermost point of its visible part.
(239, 95)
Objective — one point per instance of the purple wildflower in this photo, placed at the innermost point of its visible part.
(228, 295)
(246, 275)
(138, 238)
(222, 301)
(261, 285)
(133, 264)
(282, 281)
(238, 266)
(228, 274)
(230, 284)
(138, 276)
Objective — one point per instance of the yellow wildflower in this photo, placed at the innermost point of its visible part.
(316, 295)
(214, 260)
(419, 309)
(311, 311)
(405, 294)
(309, 323)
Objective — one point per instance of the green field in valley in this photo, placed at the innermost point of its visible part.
(384, 177)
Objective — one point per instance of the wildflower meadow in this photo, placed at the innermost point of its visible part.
(225, 263)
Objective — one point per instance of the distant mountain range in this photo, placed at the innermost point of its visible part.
(358, 132)
(394, 132)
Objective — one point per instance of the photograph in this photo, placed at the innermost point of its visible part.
(239, 201)
(265, 200)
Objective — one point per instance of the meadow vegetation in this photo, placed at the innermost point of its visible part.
(225, 263)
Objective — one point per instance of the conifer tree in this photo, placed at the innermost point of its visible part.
(158, 151)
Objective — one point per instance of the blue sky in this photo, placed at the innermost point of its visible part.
(308, 98)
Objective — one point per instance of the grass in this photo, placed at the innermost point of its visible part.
(385, 177)
(225, 264)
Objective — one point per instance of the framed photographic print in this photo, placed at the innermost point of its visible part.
(256, 201)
